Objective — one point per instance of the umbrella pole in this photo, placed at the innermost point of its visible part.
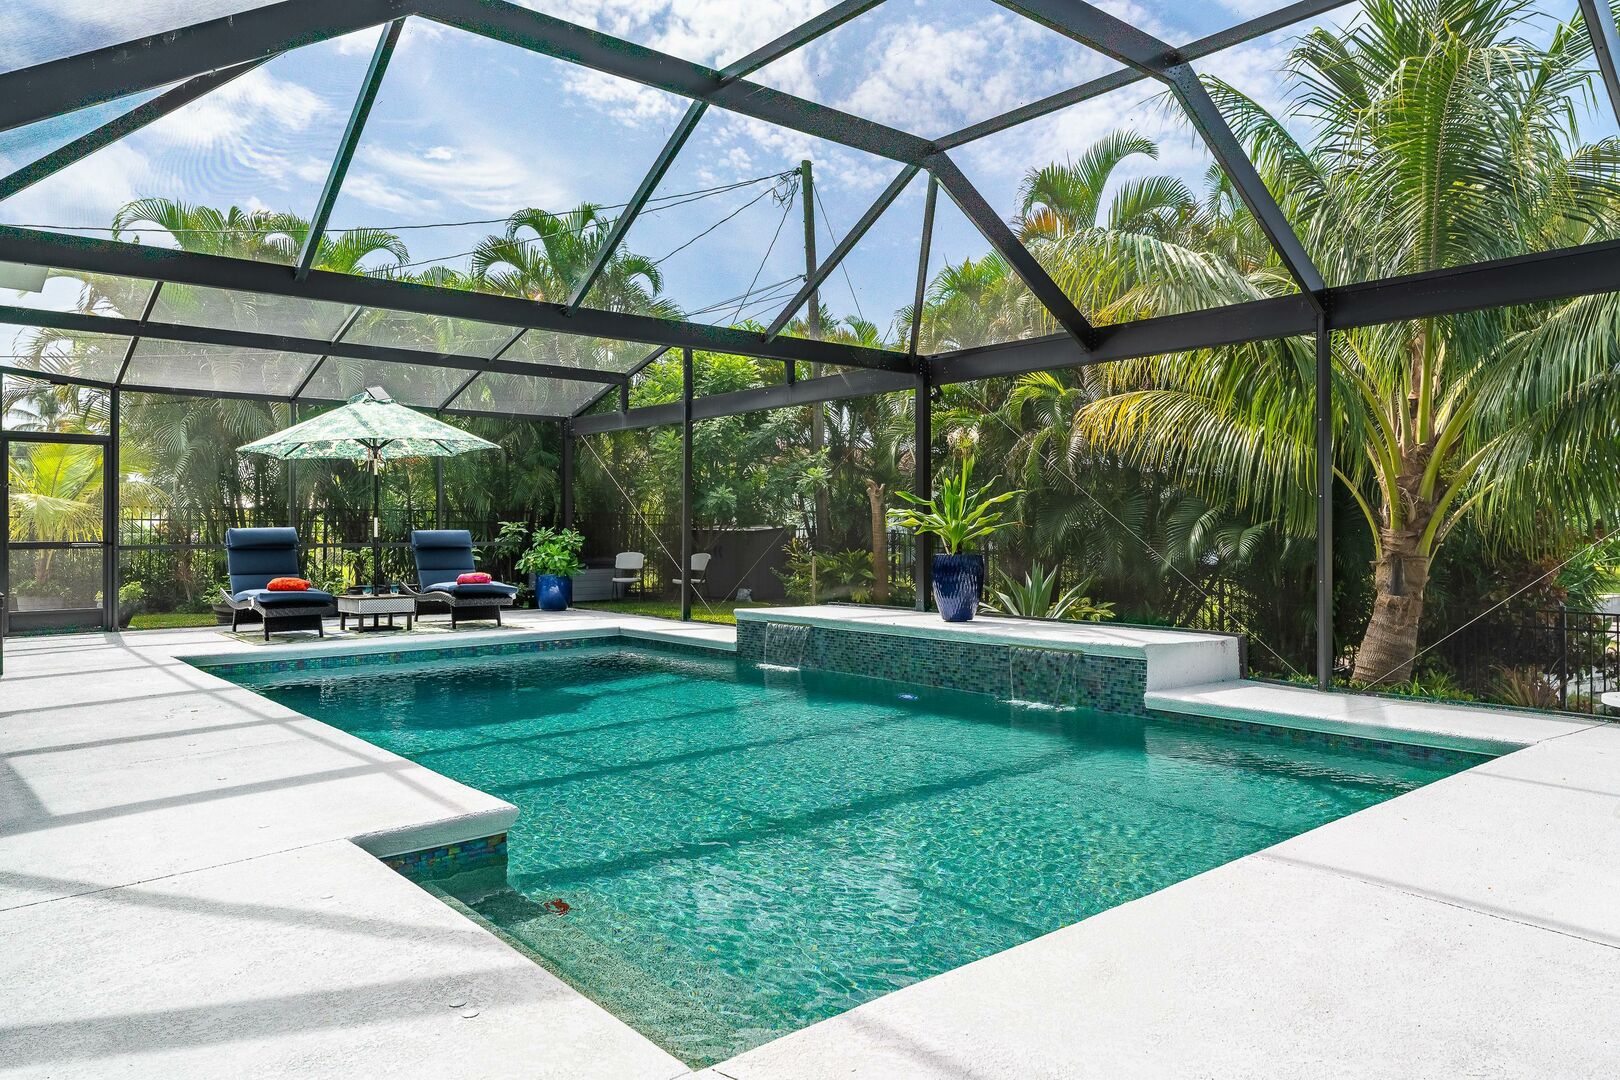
(376, 528)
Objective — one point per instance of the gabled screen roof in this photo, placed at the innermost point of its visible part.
(508, 207)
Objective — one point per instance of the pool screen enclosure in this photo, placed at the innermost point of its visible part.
(486, 357)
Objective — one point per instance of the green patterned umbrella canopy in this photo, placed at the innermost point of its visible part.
(371, 427)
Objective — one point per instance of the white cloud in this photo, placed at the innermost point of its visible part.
(375, 191)
(238, 112)
(629, 102)
(713, 32)
(87, 193)
(483, 177)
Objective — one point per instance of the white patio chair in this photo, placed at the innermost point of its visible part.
(627, 570)
(700, 572)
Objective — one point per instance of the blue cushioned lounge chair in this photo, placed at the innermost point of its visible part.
(253, 557)
(442, 555)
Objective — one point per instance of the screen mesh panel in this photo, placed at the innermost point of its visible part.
(524, 395)
(182, 365)
(340, 378)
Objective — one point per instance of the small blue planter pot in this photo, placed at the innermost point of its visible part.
(958, 586)
(553, 592)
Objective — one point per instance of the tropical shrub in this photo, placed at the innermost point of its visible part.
(553, 551)
(959, 515)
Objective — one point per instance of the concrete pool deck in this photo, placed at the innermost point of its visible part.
(180, 896)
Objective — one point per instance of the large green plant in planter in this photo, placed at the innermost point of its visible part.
(961, 516)
(553, 559)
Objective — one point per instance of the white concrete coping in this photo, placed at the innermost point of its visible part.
(404, 643)
(1415, 723)
(1174, 657)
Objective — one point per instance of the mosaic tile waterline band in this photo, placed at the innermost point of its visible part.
(1113, 684)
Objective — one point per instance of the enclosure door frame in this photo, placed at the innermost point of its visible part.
(107, 613)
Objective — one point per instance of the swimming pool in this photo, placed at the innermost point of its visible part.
(721, 854)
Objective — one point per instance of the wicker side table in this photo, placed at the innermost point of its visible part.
(361, 606)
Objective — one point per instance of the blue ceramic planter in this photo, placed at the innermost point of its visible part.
(958, 586)
(554, 593)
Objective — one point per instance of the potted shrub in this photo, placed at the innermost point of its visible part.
(960, 516)
(131, 598)
(553, 559)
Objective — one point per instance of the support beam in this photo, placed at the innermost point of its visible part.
(797, 38)
(995, 230)
(638, 201)
(922, 452)
(1093, 27)
(624, 387)
(135, 341)
(309, 376)
(461, 387)
(566, 467)
(532, 30)
(119, 127)
(1324, 505)
(923, 257)
(686, 485)
(1599, 19)
(1116, 80)
(807, 191)
(846, 384)
(243, 339)
(1557, 275)
(1234, 162)
(851, 238)
(347, 146)
(1260, 320)
(190, 268)
(61, 86)
(77, 82)
(111, 568)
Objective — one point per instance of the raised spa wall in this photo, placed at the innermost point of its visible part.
(1067, 674)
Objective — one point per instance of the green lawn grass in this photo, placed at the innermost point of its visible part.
(171, 620)
(714, 611)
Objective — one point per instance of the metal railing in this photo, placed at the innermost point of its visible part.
(1549, 658)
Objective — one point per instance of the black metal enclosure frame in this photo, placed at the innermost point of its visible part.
(201, 57)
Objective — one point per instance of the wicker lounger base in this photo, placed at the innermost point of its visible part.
(279, 620)
(463, 609)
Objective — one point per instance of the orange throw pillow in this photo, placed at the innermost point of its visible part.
(474, 579)
(287, 584)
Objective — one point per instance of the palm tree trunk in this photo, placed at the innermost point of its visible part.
(877, 496)
(1401, 576)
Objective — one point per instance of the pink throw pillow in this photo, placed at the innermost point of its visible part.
(474, 579)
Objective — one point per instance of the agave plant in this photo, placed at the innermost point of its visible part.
(1032, 598)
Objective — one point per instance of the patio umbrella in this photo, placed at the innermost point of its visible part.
(372, 428)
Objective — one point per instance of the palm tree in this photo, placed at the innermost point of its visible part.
(265, 235)
(1444, 136)
(872, 436)
(543, 256)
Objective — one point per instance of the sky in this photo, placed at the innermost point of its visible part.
(466, 130)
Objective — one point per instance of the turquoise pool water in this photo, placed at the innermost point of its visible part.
(744, 852)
